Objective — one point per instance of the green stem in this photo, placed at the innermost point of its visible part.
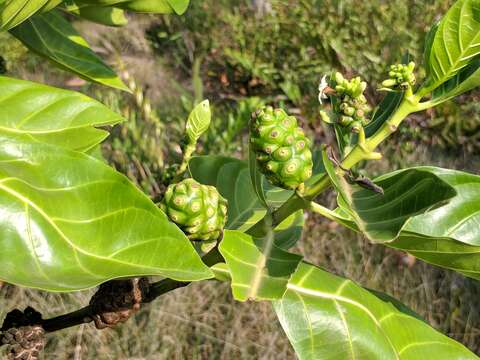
(321, 210)
(187, 155)
(409, 104)
(85, 315)
(294, 203)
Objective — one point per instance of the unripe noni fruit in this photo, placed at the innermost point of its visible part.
(281, 148)
(199, 210)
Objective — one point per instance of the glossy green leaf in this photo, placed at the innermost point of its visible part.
(385, 109)
(52, 37)
(440, 251)
(459, 218)
(289, 231)
(70, 222)
(147, 6)
(256, 177)
(407, 193)
(51, 115)
(14, 12)
(428, 43)
(258, 268)
(275, 196)
(467, 79)
(455, 44)
(445, 252)
(205, 168)
(328, 317)
(244, 208)
(232, 179)
(221, 272)
(448, 236)
(179, 6)
(109, 16)
(198, 121)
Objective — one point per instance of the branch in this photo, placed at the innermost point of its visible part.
(82, 316)
(88, 313)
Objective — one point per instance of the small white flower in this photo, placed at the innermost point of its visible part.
(321, 89)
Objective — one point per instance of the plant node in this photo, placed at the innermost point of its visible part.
(117, 300)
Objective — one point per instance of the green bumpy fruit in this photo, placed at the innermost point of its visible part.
(281, 148)
(199, 210)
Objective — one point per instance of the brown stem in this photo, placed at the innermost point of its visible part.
(82, 316)
(85, 315)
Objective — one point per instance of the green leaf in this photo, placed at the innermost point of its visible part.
(447, 236)
(221, 272)
(459, 218)
(445, 252)
(14, 12)
(407, 193)
(429, 42)
(385, 109)
(289, 231)
(467, 79)
(244, 208)
(179, 6)
(109, 16)
(256, 177)
(52, 37)
(455, 44)
(275, 196)
(232, 179)
(70, 222)
(328, 317)
(147, 6)
(51, 115)
(198, 121)
(205, 168)
(440, 251)
(259, 269)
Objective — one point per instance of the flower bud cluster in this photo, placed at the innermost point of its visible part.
(353, 106)
(401, 77)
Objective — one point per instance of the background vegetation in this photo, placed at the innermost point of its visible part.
(240, 54)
